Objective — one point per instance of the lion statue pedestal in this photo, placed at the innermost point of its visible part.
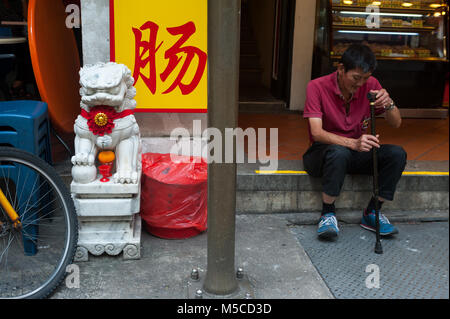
(107, 208)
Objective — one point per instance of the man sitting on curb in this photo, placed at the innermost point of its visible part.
(338, 113)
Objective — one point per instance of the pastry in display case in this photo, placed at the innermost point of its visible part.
(392, 29)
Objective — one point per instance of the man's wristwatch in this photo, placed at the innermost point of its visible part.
(390, 107)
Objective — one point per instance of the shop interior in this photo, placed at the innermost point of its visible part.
(265, 54)
(16, 75)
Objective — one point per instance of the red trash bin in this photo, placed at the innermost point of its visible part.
(174, 195)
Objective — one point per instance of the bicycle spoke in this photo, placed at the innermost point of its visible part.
(31, 195)
(5, 251)
(24, 214)
(38, 270)
(45, 222)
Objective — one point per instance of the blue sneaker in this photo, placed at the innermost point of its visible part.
(328, 226)
(368, 222)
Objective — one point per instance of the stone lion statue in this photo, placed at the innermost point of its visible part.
(107, 122)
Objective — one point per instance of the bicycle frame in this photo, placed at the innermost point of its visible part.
(9, 210)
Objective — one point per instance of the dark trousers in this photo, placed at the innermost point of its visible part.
(333, 162)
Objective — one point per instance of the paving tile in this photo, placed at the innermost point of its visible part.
(423, 139)
(438, 153)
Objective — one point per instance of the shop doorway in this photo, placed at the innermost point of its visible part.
(266, 55)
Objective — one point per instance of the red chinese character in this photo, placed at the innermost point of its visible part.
(186, 30)
(146, 47)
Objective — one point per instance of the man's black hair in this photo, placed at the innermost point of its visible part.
(359, 56)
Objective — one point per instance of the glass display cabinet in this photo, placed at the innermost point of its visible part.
(409, 39)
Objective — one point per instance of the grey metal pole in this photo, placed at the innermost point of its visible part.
(223, 86)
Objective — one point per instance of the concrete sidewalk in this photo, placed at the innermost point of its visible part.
(274, 261)
(414, 263)
(283, 259)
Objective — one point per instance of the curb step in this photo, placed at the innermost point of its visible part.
(418, 198)
(286, 191)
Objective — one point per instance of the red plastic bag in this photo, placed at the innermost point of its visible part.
(174, 195)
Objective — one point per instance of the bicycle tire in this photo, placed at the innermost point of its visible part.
(62, 250)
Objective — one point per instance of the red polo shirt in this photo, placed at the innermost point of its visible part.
(324, 100)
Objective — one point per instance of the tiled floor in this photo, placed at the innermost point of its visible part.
(423, 139)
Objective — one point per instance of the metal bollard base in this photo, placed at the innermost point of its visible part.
(194, 288)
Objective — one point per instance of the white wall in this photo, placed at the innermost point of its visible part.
(305, 13)
(95, 30)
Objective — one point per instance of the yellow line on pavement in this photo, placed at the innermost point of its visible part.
(280, 172)
(424, 173)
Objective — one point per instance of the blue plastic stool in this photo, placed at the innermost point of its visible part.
(25, 125)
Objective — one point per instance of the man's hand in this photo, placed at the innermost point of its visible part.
(383, 99)
(366, 142)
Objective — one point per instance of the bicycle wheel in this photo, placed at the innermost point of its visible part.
(34, 257)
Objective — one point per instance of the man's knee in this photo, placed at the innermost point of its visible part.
(395, 153)
(337, 153)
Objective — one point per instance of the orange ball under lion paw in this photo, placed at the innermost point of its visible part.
(106, 156)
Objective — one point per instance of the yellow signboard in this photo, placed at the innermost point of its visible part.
(164, 43)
